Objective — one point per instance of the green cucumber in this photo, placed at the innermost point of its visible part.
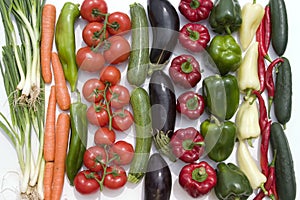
(139, 56)
(284, 167)
(279, 23)
(141, 107)
(283, 92)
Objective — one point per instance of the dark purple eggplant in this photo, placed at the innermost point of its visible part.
(158, 179)
(163, 111)
(165, 25)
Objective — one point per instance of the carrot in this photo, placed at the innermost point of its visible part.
(48, 177)
(49, 136)
(61, 144)
(63, 98)
(47, 36)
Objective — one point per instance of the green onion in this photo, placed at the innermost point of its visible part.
(20, 69)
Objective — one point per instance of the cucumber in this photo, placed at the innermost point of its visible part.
(283, 92)
(279, 23)
(284, 167)
(140, 103)
(139, 55)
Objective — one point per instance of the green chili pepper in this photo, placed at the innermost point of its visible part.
(226, 53)
(221, 95)
(232, 183)
(225, 17)
(219, 138)
(78, 142)
(65, 41)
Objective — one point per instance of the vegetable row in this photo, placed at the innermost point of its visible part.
(238, 83)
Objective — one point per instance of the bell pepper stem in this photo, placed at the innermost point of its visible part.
(192, 103)
(187, 67)
(194, 35)
(199, 174)
(228, 31)
(194, 4)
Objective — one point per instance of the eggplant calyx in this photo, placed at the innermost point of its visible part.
(162, 143)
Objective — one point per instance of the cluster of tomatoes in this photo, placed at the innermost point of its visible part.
(106, 46)
(103, 36)
(108, 112)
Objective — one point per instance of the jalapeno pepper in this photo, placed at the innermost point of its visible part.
(78, 142)
(65, 41)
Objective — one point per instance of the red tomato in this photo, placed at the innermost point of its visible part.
(85, 182)
(93, 10)
(119, 23)
(104, 136)
(122, 120)
(124, 152)
(92, 90)
(97, 115)
(110, 74)
(92, 34)
(94, 157)
(118, 96)
(118, 50)
(116, 177)
(89, 60)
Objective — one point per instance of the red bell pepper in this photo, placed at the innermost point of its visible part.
(190, 104)
(194, 37)
(187, 144)
(195, 10)
(185, 71)
(197, 178)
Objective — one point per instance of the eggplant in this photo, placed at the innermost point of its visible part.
(165, 25)
(163, 111)
(158, 179)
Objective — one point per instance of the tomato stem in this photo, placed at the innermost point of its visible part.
(107, 103)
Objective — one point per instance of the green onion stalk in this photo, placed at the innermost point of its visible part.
(20, 69)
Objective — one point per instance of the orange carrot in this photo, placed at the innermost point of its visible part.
(47, 36)
(61, 144)
(49, 136)
(48, 177)
(63, 98)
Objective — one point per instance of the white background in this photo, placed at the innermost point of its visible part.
(9, 164)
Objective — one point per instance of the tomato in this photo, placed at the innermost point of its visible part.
(92, 90)
(92, 34)
(124, 152)
(118, 96)
(104, 136)
(93, 10)
(117, 51)
(119, 23)
(111, 75)
(115, 178)
(122, 120)
(89, 60)
(97, 115)
(85, 182)
(94, 157)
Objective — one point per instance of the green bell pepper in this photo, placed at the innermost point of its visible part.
(225, 16)
(226, 53)
(219, 138)
(232, 183)
(221, 95)
(65, 41)
(78, 141)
